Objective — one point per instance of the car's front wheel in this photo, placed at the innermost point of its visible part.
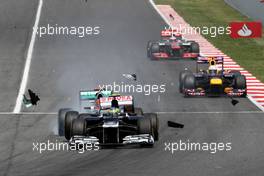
(154, 49)
(241, 83)
(182, 76)
(78, 127)
(154, 125)
(70, 116)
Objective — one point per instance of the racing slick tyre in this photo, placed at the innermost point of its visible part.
(189, 82)
(154, 125)
(241, 83)
(138, 111)
(195, 48)
(236, 73)
(181, 52)
(154, 49)
(70, 116)
(144, 126)
(61, 119)
(78, 127)
(148, 48)
(181, 79)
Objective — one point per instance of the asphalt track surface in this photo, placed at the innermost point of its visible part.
(16, 21)
(61, 66)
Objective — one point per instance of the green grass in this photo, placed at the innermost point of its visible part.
(249, 53)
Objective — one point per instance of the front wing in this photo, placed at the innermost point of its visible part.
(146, 139)
(201, 92)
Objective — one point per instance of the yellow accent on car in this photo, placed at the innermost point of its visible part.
(115, 95)
(216, 81)
(212, 61)
(228, 89)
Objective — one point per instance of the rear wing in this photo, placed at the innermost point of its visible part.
(92, 94)
(209, 59)
(170, 33)
(126, 100)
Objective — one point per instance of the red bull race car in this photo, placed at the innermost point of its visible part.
(212, 82)
(172, 46)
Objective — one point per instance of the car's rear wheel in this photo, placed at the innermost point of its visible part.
(70, 116)
(78, 127)
(138, 111)
(195, 48)
(236, 73)
(129, 109)
(61, 120)
(181, 79)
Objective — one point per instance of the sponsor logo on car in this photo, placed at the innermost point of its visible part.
(118, 98)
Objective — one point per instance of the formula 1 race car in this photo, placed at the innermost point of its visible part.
(116, 122)
(172, 46)
(212, 82)
(87, 104)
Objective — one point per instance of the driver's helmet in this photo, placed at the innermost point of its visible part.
(114, 107)
(115, 110)
(212, 70)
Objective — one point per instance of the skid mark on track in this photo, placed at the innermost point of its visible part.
(12, 148)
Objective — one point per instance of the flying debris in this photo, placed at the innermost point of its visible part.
(130, 76)
(234, 102)
(175, 125)
(32, 100)
(171, 16)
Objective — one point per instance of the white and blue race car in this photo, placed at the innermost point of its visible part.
(111, 120)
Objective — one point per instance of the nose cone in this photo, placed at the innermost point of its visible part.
(216, 81)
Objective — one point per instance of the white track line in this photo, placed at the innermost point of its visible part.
(259, 99)
(256, 95)
(224, 112)
(24, 80)
(175, 112)
(256, 103)
(162, 16)
(29, 113)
